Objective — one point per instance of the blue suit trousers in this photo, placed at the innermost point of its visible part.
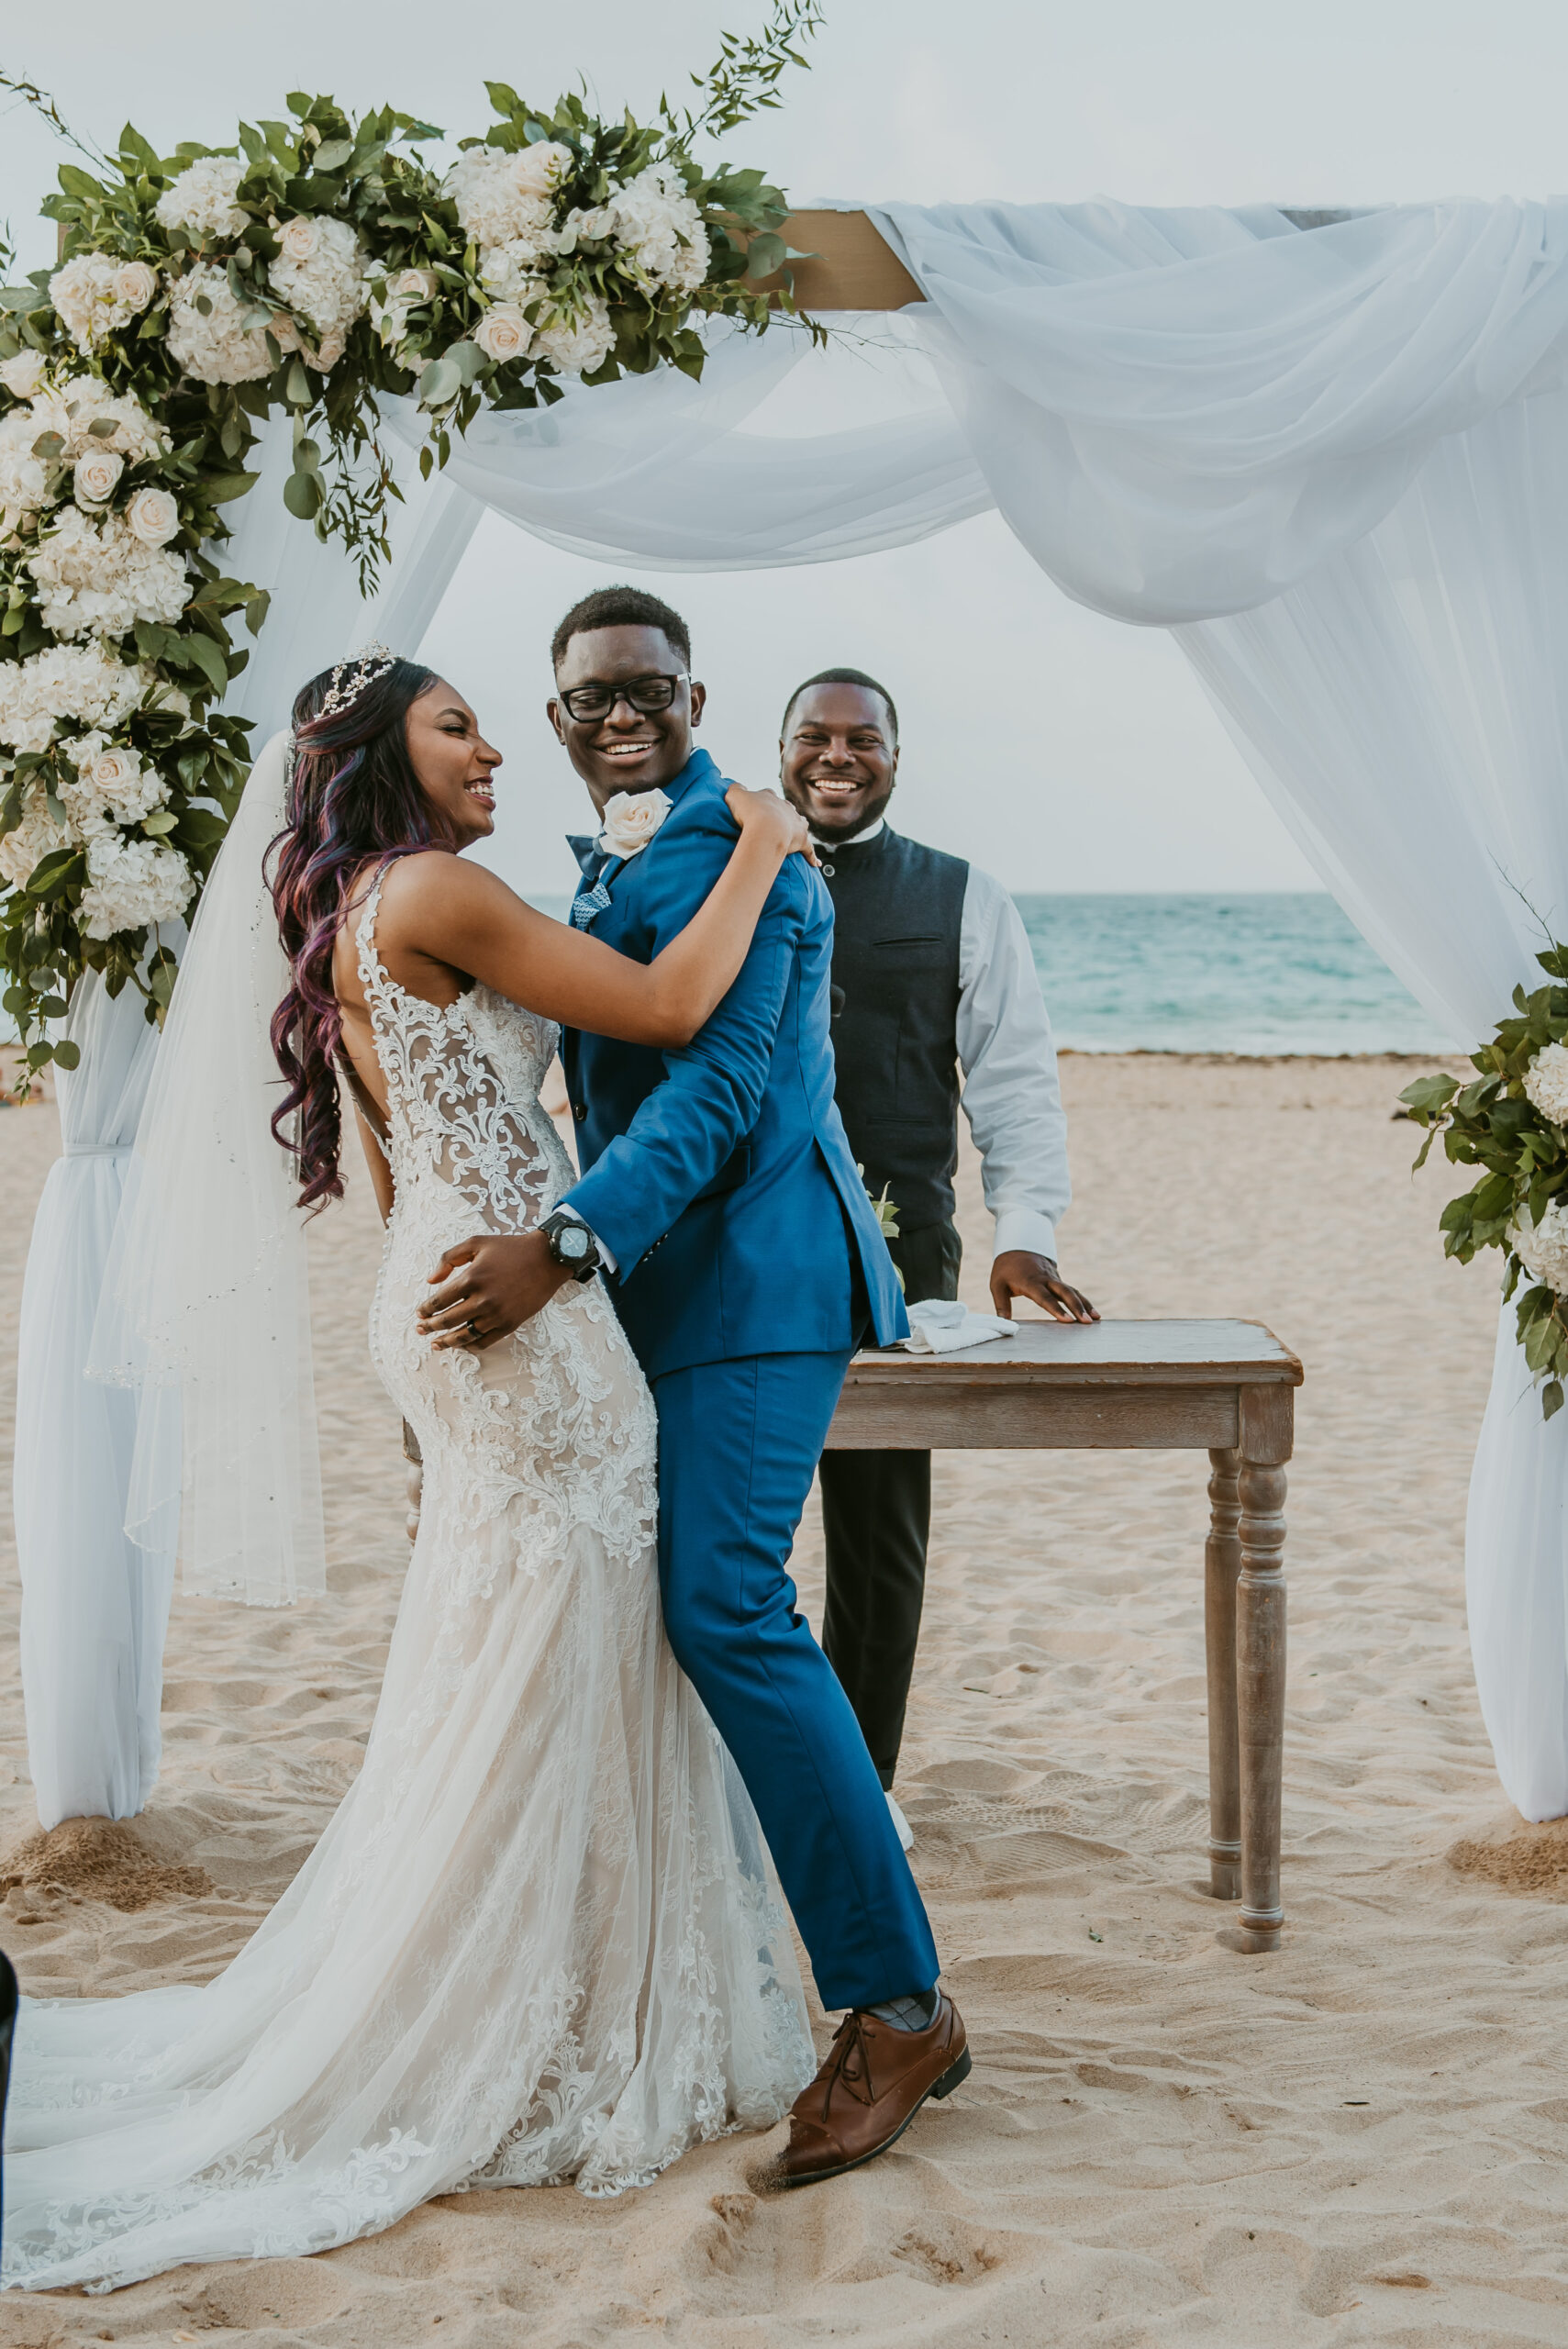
(737, 1443)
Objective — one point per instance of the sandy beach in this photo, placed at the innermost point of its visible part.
(1360, 2138)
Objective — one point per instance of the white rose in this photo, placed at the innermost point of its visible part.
(411, 287)
(540, 169)
(1546, 1084)
(112, 772)
(297, 239)
(631, 819)
(136, 285)
(23, 375)
(154, 516)
(503, 333)
(98, 471)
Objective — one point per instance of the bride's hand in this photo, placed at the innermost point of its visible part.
(775, 819)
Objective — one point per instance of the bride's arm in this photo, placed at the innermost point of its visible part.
(459, 914)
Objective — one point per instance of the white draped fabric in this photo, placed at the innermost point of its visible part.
(95, 1604)
(98, 1472)
(1333, 461)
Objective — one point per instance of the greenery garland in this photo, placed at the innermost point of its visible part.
(313, 265)
(1512, 1120)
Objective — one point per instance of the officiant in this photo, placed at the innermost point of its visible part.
(933, 978)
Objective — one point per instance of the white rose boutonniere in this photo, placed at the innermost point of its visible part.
(631, 819)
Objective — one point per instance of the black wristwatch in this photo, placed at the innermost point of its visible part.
(572, 1245)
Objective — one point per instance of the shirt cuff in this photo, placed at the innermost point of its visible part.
(1025, 1228)
(605, 1258)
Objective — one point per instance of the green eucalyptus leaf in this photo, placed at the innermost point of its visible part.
(302, 495)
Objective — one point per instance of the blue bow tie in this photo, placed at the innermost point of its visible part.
(593, 896)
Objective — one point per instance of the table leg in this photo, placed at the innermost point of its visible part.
(1259, 1674)
(1222, 1563)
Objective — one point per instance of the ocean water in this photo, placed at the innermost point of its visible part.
(1272, 973)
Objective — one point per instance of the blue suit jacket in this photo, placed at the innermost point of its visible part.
(720, 1176)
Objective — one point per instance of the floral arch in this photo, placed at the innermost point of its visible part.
(316, 264)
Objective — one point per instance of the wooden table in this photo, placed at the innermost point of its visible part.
(1224, 1387)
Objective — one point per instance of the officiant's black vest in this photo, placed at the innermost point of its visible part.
(898, 909)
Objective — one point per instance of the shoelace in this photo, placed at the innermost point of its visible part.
(851, 2063)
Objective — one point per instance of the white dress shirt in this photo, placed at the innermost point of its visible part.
(1012, 1095)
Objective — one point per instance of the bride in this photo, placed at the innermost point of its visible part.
(536, 1940)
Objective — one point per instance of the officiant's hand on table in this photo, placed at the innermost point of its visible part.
(1017, 1273)
(491, 1285)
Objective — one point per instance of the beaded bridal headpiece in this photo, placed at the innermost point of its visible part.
(354, 676)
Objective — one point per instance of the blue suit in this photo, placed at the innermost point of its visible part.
(750, 1263)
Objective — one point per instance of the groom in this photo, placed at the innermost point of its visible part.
(720, 1200)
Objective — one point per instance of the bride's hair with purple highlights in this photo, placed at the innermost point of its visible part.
(354, 802)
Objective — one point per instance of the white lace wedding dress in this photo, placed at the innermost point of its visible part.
(537, 1941)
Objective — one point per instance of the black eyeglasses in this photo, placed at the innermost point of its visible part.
(645, 695)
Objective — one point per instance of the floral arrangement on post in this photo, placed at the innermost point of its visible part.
(315, 265)
(1512, 1120)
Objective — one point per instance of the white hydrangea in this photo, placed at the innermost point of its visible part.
(1546, 1083)
(133, 883)
(405, 290)
(595, 227)
(112, 785)
(201, 198)
(213, 345)
(81, 681)
(576, 341)
(96, 577)
(320, 274)
(22, 475)
(80, 403)
(1543, 1248)
(94, 295)
(503, 199)
(510, 271)
(660, 228)
(33, 838)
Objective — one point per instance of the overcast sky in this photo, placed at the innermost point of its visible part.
(1066, 750)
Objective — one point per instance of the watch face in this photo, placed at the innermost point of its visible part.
(572, 1241)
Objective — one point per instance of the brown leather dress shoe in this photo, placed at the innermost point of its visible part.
(872, 2083)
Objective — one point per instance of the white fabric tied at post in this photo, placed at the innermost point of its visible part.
(1338, 462)
(94, 1603)
(206, 1305)
(98, 1477)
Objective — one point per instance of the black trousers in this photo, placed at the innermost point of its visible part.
(876, 1516)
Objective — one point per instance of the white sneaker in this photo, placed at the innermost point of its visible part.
(906, 1833)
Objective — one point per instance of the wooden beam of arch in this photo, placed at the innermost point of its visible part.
(852, 266)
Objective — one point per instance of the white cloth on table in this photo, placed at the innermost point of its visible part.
(937, 1326)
